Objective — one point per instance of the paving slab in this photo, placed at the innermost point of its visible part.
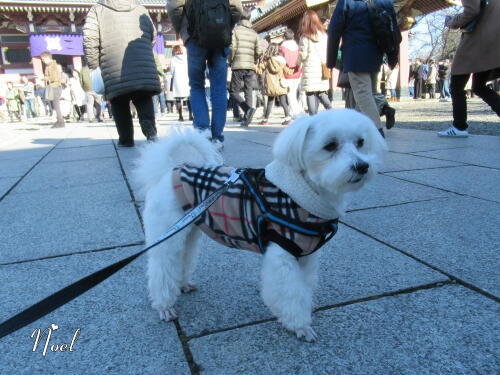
(119, 333)
(474, 181)
(352, 267)
(61, 221)
(16, 167)
(69, 174)
(6, 183)
(388, 191)
(23, 152)
(468, 155)
(81, 153)
(393, 162)
(459, 235)
(446, 330)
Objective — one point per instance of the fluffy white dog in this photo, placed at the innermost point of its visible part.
(317, 160)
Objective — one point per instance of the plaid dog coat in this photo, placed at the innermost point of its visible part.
(252, 213)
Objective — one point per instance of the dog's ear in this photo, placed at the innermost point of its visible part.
(289, 145)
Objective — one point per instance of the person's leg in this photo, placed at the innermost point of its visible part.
(325, 100)
(363, 90)
(163, 103)
(217, 66)
(90, 106)
(248, 84)
(488, 95)
(459, 100)
(99, 113)
(235, 87)
(56, 104)
(197, 57)
(120, 108)
(284, 104)
(312, 103)
(269, 108)
(143, 103)
(178, 106)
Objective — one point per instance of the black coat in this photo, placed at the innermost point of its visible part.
(118, 38)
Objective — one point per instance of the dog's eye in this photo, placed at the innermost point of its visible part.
(360, 143)
(332, 146)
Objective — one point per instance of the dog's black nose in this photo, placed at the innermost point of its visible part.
(361, 167)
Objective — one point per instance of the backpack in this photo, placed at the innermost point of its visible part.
(209, 23)
(387, 32)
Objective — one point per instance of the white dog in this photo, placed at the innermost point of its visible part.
(317, 160)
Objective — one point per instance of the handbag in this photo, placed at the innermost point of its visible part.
(325, 72)
(343, 81)
(97, 82)
(49, 93)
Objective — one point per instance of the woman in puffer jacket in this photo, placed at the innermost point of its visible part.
(273, 68)
(312, 49)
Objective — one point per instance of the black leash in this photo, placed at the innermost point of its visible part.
(79, 287)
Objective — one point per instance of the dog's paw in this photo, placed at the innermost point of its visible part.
(306, 334)
(188, 288)
(168, 314)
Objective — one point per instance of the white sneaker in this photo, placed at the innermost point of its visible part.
(453, 133)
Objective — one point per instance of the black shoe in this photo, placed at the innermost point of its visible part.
(247, 119)
(125, 144)
(390, 118)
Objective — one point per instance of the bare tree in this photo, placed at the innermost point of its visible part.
(430, 38)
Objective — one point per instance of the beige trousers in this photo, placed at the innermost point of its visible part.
(364, 85)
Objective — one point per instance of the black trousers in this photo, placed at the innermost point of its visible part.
(120, 107)
(242, 80)
(459, 99)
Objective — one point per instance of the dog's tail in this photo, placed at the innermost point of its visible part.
(179, 147)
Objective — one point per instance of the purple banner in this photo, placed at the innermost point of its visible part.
(159, 46)
(57, 44)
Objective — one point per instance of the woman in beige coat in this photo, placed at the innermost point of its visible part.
(477, 53)
(273, 68)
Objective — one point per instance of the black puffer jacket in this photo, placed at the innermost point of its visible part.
(118, 37)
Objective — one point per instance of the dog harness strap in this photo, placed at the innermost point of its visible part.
(325, 231)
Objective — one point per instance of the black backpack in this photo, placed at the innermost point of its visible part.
(386, 31)
(209, 22)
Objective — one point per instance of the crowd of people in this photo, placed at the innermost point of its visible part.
(248, 72)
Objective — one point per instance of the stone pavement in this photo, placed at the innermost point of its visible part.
(409, 285)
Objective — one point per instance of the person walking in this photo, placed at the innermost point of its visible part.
(180, 80)
(12, 96)
(199, 58)
(126, 61)
(444, 75)
(29, 97)
(312, 52)
(53, 86)
(273, 68)
(361, 55)
(93, 100)
(245, 52)
(431, 79)
(476, 55)
(290, 51)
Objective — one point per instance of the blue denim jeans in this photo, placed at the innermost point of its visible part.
(216, 60)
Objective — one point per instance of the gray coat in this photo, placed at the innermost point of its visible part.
(118, 37)
(479, 50)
